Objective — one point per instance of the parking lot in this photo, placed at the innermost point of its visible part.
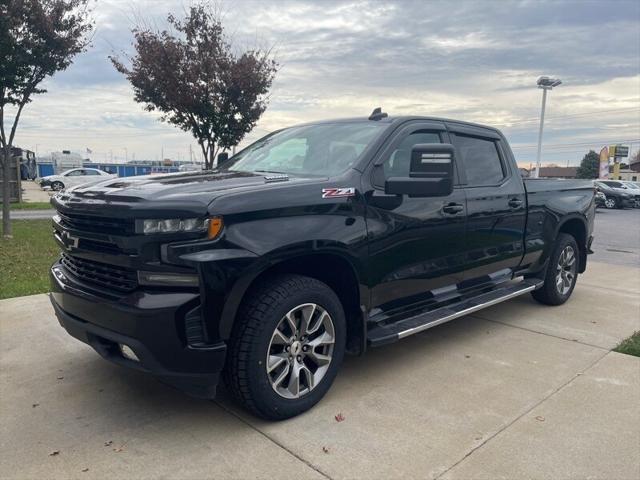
(518, 390)
(617, 239)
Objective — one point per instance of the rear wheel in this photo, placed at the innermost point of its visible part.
(562, 272)
(286, 346)
(57, 186)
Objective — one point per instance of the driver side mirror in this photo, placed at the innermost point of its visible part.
(430, 172)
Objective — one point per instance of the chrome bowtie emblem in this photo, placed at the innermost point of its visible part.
(69, 240)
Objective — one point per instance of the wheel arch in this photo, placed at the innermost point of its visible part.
(330, 267)
(576, 226)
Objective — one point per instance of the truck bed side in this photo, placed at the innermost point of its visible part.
(555, 205)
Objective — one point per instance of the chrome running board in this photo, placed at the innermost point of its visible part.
(383, 334)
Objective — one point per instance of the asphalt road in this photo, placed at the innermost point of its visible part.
(31, 214)
(617, 237)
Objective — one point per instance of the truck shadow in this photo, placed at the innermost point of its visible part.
(125, 398)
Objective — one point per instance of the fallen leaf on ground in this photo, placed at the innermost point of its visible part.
(467, 356)
(325, 449)
(120, 448)
(540, 418)
(54, 453)
(35, 405)
(60, 378)
(339, 417)
(108, 444)
(85, 469)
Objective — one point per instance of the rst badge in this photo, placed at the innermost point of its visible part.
(338, 192)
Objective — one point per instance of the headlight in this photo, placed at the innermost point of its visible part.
(172, 225)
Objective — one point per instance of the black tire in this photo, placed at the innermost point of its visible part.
(550, 293)
(57, 186)
(260, 314)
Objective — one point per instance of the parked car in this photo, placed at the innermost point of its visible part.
(616, 197)
(74, 177)
(191, 167)
(634, 189)
(315, 241)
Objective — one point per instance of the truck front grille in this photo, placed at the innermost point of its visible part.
(90, 223)
(107, 276)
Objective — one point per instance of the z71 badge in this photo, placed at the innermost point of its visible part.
(338, 192)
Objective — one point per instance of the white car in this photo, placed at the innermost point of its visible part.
(74, 177)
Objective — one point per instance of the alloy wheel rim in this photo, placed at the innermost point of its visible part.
(609, 202)
(566, 270)
(300, 350)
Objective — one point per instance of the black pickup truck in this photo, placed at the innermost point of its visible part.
(316, 240)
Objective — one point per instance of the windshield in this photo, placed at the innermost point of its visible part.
(324, 149)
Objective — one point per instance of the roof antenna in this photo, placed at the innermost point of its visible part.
(377, 114)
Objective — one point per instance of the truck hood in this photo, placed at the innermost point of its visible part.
(192, 190)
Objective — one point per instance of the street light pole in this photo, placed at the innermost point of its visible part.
(545, 83)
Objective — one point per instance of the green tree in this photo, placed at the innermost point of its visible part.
(197, 81)
(590, 166)
(37, 39)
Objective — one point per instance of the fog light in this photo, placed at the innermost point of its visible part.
(128, 353)
(168, 279)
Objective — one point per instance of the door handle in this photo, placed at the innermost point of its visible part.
(515, 203)
(452, 208)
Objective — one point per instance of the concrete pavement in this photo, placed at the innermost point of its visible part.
(517, 391)
(31, 192)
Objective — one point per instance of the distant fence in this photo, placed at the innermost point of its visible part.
(127, 170)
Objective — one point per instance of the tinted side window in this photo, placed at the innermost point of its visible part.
(91, 172)
(397, 165)
(481, 159)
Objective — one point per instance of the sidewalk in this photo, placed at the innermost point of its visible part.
(31, 214)
(518, 391)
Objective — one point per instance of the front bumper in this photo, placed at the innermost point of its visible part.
(149, 323)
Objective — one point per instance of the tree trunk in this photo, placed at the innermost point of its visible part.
(6, 194)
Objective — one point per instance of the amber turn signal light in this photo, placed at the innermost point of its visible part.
(215, 227)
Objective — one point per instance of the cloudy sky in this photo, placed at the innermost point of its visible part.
(475, 61)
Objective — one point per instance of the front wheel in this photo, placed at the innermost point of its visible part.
(610, 202)
(57, 186)
(286, 346)
(562, 272)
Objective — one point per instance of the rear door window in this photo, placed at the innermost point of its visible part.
(481, 159)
